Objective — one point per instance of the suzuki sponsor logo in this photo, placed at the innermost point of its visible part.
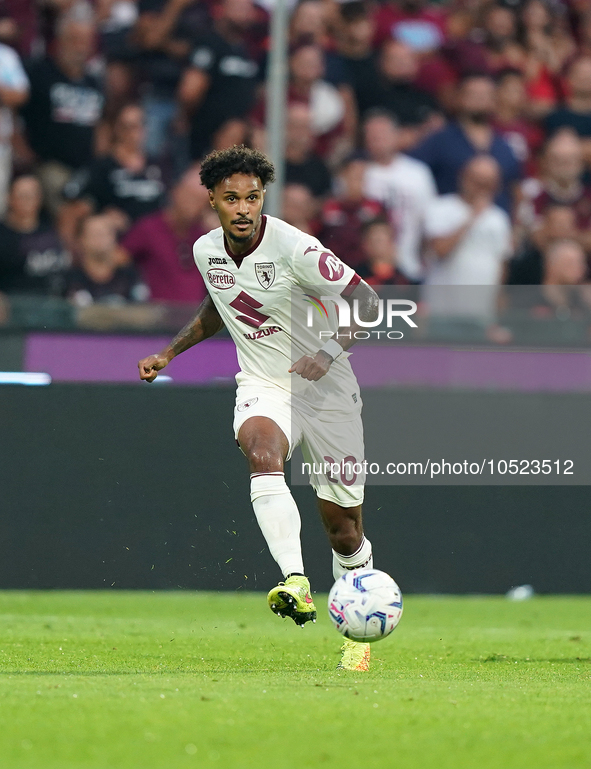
(262, 332)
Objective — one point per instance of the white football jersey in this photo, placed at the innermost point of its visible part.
(270, 300)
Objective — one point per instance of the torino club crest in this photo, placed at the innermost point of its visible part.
(265, 272)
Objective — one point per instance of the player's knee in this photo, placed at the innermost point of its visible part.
(345, 538)
(264, 460)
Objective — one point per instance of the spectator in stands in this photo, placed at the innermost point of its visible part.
(161, 245)
(98, 275)
(471, 133)
(118, 48)
(302, 164)
(355, 32)
(309, 23)
(393, 89)
(561, 184)
(354, 43)
(411, 22)
(468, 240)
(31, 253)
(333, 112)
(14, 91)
(344, 216)
(555, 223)
(64, 107)
(424, 30)
(125, 184)
(20, 27)
(332, 107)
(575, 113)
(405, 187)
(464, 50)
(564, 265)
(165, 32)
(547, 48)
(300, 208)
(220, 83)
(501, 49)
(564, 292)
(523, 135)
(115, 21)
(231, 132)
(378, 248)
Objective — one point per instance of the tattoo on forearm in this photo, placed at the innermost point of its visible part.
(206, 323)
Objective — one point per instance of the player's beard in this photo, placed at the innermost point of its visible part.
(242, 239)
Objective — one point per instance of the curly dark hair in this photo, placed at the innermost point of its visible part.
(221, 164)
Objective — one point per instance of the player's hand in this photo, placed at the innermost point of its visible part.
(312, 368)
(150, 366)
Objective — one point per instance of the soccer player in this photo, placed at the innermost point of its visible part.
(292, 389)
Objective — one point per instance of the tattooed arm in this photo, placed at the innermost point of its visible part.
(206, 323)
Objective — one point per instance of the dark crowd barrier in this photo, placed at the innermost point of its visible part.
(115, 486)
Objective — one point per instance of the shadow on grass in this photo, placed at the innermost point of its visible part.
(93, 672)
(165, 672)
(504, 658)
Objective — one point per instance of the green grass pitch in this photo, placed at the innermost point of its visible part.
(114, 680)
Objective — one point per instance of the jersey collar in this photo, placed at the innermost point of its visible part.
(237, 259)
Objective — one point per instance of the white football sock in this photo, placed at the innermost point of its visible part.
(362, 558)
(279, 519)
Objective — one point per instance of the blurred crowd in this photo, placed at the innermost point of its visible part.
(432, 143)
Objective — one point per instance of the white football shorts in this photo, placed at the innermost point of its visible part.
(333, 452)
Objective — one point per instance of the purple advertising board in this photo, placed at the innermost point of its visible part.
(113, 358)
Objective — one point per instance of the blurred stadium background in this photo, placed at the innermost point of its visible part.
(372, 111)
(129, 635)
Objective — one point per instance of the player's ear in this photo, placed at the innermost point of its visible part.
(211, 199)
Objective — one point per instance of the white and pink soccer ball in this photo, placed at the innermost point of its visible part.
(365, 605)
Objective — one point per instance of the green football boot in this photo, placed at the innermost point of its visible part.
(292, 599)
(355, 656)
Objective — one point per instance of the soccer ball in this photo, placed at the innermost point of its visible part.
(365, 605)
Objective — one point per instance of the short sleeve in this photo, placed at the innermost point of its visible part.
(318, 269)
(443, 219)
